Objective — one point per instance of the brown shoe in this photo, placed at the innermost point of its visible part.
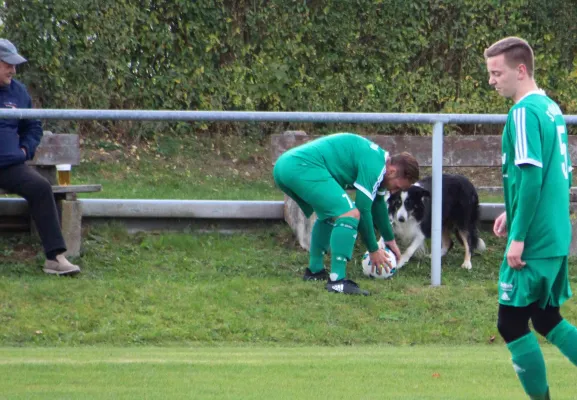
(61, 266)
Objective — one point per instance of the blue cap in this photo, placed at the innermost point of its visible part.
(9, 54)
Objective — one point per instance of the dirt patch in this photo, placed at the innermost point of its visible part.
(18, 252)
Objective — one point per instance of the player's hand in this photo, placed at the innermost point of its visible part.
(500, 225)
(514, 254)
(379, 259)
(394, 248)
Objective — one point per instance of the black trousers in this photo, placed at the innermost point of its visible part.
(25, 181)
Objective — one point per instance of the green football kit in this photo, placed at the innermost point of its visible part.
(536, 181)
(317, 174)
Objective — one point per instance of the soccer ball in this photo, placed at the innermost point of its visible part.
(366, 263)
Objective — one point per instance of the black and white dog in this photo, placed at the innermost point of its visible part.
(410, 215)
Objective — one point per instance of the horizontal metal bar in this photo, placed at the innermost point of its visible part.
(131, 208)
(490, 211)
(201, 209)
(346, 117)
(215, 209)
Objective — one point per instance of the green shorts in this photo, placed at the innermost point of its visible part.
(543, 280)
(312, 187)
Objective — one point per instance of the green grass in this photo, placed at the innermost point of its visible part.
(215, 316)
(351, 372)
(151, 289)
(187, 168)
(491, 198)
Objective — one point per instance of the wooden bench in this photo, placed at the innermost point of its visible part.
(483, 151)
(57, 149)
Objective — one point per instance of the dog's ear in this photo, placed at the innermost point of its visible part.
(391, 197)
(425, 196)
(422, 192)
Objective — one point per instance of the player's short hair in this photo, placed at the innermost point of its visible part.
(407, 166)
(516, 50)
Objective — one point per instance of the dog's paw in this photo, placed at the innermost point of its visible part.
(402, 261)
(467, 265)
(481, 246)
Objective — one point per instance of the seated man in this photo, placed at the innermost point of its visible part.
(316, 174)
(18, 142)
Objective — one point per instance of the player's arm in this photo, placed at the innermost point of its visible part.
(529, 175)
(528, 194)
(381, 219)
(371, 171)
(30, 132)
(366, 229)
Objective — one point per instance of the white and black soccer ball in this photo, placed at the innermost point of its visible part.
(367, 267)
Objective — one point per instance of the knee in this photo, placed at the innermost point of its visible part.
(38, 188)
(545, 320)
(512, 330)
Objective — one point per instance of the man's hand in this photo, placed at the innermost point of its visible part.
(514, 255)
(394, 248)
(379, 259)
(500, 225)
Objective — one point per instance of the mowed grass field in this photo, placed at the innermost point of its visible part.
(217, 316)
(365, 372)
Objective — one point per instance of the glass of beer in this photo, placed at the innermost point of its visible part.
(63, 171)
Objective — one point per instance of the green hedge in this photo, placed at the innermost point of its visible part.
(317, 55)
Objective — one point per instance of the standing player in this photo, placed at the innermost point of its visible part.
(533, 280)
(316, 174)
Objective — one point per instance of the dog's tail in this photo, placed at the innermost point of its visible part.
(476, 242)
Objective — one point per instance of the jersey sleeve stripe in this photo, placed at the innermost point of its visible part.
(516, 122)
(381, 176)
(529, 161)
(524, 123)
(521, 133)
(364, 190)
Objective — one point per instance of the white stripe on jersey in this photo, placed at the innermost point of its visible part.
(521, 153)
(529, 161)
(521, 133)
(364, 190)
(378, 182)
(371, 195)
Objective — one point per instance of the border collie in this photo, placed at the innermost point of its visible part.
(410, 214)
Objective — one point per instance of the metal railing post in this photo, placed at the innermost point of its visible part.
(437, 201)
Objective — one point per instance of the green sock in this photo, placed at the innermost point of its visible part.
(342, 243)
(529, 365)
(564, 336)
(320, 242)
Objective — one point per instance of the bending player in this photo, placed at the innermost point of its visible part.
(316, 176)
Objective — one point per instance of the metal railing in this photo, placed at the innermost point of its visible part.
(437, 120)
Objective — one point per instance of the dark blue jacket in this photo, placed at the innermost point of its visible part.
(16, 134)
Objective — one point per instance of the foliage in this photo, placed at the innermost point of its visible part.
(278, 55)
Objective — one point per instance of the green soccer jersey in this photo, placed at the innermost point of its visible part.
(535, 133)
(352, 160)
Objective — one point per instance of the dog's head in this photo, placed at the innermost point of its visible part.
(410, 204)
